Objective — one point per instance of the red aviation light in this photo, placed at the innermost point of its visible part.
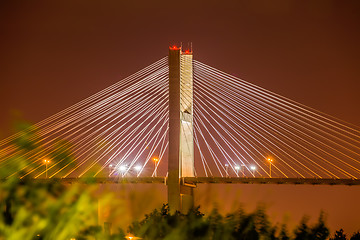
(174, 47)
(187, 52)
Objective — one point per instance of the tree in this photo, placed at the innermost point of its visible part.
(161, 224)
(319, 231)
(283, 233)
(245, 227)
(217, 230)
(355, 236)
(339, 235)
(302, 232)
(50, 210)
(31, 209)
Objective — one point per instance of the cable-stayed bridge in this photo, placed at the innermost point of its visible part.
(182, 122)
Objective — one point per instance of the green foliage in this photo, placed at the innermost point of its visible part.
(61, 154)
(283, 235)
(319, 231)
(45, 210)
(302, 231)
(161, 224)
(355, 236)
(339, 235)
(25, 135)
(36, 209)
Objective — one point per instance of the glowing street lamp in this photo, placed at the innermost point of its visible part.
(156, 162)
(46, 161)
(137, 169)
(122, 169)
(270, 161)
(226, 169)
(243, 169)
(110, 168)
(253, 168)
(237, 168)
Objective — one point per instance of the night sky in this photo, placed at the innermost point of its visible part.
(56, 53)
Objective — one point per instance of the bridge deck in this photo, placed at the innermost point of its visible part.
(237, 180)
(205, 180)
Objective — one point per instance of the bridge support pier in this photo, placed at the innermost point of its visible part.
(181, 133)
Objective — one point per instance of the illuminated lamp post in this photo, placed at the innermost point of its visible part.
(270, 162)
(156, 161)
(46, 161)
(110, 168)
(237, 168)
(227, 169)
(243, 170)
(253, 168)
(122, 169)
(137, 169)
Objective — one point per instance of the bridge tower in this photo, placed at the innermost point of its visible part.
(181, 133)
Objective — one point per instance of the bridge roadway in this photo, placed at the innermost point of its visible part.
(192, 181)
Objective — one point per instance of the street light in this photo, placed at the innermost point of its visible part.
(46, 161)
(226, 169)
(156, 161)
(137, 168)
(270, 161)
(253, 168)
(122, 169)
(237, 168)
(243, 169)
(110, 168)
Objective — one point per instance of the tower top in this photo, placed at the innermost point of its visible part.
(187, 51)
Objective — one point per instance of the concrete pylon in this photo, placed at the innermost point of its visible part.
(181, 133)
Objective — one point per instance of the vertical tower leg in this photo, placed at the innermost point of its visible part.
(187, 130)
(174, 130)
(181, 135)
